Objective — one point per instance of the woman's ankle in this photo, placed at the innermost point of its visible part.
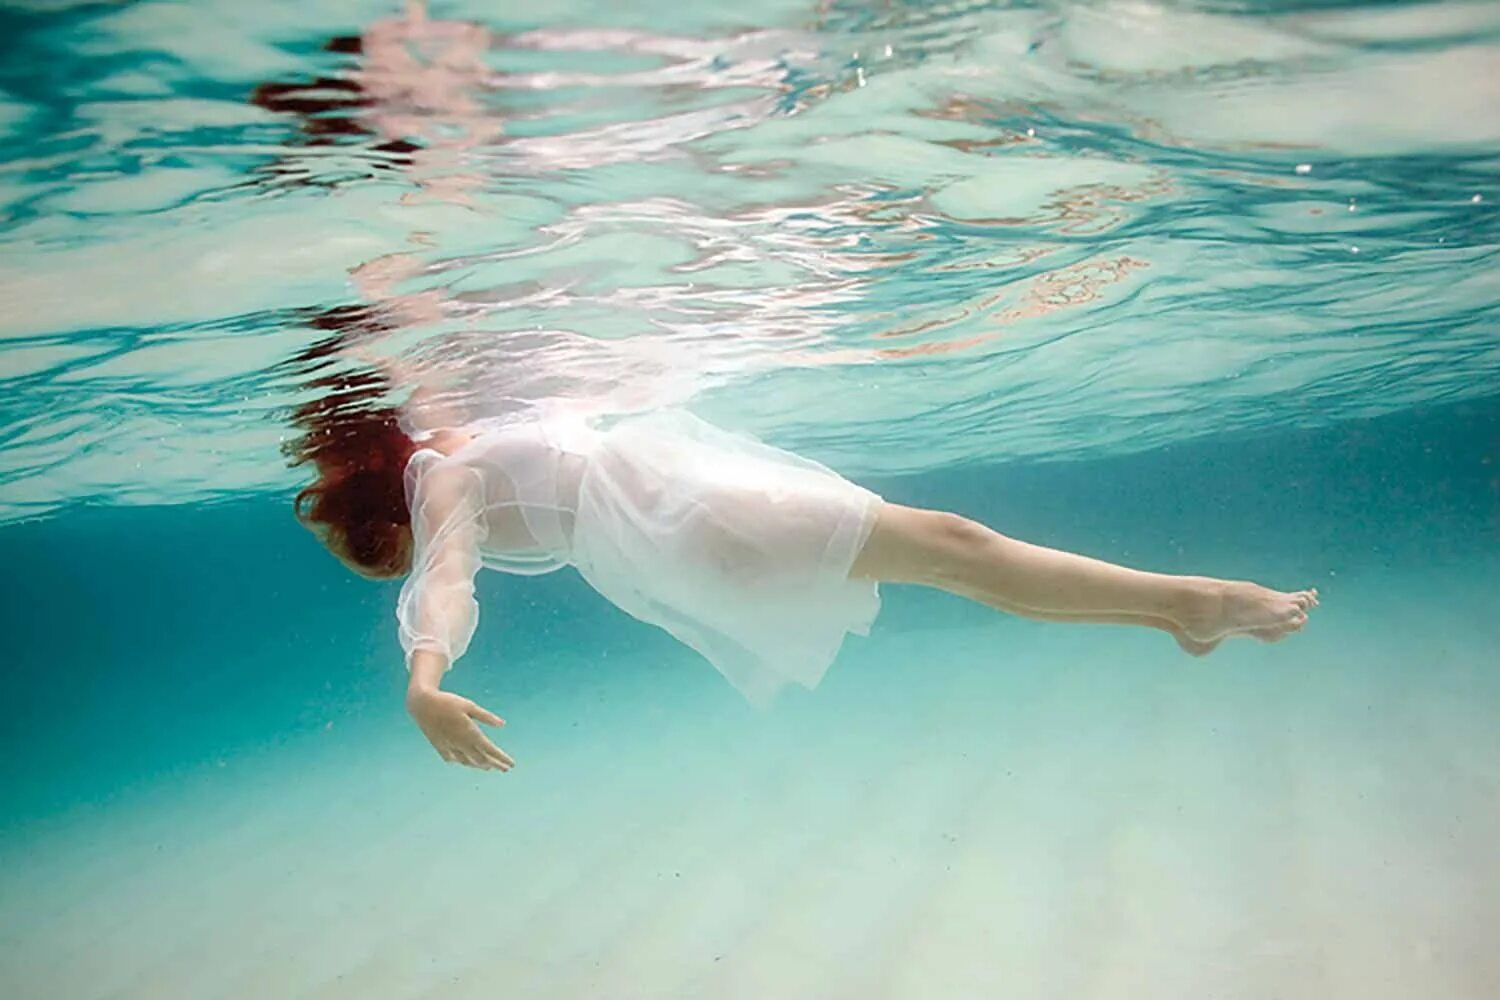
(1199, 604)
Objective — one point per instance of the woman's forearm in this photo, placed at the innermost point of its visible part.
(427, 669)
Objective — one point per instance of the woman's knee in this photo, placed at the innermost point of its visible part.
(913, 545)
(954, 532)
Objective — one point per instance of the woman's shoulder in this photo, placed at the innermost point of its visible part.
(443, 481)
(444, 459)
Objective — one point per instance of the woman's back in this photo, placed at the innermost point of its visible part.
(523, 478)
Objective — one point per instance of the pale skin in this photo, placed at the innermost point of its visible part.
(963, 557)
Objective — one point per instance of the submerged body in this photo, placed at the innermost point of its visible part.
(742, 551)
(760, 560)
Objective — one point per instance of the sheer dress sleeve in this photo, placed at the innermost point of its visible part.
(437, 610)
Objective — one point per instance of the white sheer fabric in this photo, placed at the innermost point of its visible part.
(436, 609)
(740, 550)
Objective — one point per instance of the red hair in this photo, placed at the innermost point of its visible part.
(352, 435)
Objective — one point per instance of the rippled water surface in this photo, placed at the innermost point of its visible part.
(898, 236)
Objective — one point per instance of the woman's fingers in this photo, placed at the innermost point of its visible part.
(474, 749)
(499, 758)
(470, 759)
(454, 754)
(485, 756)
(484, 715)
(480, 746)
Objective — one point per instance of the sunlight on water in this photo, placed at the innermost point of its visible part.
(899, 237)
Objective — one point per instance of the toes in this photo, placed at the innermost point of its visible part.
(1295, 619)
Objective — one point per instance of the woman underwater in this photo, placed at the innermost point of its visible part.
(759, 560)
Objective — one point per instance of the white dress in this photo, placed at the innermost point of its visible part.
(738, 549)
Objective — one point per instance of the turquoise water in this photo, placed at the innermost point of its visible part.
(1198, 287)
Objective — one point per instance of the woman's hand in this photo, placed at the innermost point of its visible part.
(450, 723)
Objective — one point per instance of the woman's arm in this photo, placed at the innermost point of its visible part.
(437, 610)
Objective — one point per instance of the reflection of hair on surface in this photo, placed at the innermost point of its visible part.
(329, 112)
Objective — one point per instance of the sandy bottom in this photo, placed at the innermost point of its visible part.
(1011, 810)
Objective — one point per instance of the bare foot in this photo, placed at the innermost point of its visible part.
(1246, 609)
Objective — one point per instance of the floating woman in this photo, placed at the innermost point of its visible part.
(758, 559)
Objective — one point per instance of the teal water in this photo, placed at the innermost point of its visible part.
(1203, 288)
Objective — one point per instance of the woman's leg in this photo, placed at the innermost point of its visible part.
(1189, 644)
(955, 554)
